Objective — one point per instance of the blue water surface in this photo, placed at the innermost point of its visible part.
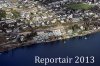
(78, 46)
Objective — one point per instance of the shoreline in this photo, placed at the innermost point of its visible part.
(5, 47)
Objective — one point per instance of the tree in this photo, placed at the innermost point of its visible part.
(75, 27)
(15, 13)
(95, 9)
(2, 14)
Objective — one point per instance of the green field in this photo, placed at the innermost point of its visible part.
(79, 6)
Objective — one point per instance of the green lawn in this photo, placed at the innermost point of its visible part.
(79, 6)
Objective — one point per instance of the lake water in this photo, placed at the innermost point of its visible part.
(78, 46)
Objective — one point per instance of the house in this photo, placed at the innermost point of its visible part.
(40, 33)
(57, 32)
(8, 30)
(75, 19)
(82, 28)
(25, 14)
(69, 32)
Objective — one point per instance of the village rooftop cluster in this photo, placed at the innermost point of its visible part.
(30, 21)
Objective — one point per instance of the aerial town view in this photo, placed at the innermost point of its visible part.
(29, 22)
